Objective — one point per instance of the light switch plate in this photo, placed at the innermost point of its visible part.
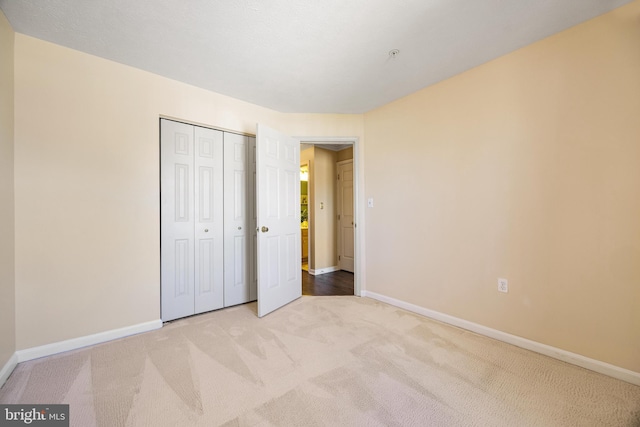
(503, 285)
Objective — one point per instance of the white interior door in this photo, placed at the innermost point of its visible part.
(209, 220)
(253, 221)
(278, 219)
(239, 214)
(191, 246)
(176, 210)
(345, 216)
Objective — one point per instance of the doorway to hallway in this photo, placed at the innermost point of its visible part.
(327, 204)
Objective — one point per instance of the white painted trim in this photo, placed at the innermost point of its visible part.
(547, 350)
(323, 270)
(75, 343)
(8, 368)
(327, 139)
(205, 125)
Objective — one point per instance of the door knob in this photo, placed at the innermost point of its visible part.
(206, 230)
(265, 229)
(239, 228)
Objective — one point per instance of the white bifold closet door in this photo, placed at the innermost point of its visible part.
(239, 219)
(192, 226)
(208, 237)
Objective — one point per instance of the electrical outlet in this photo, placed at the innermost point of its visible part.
(503, 285)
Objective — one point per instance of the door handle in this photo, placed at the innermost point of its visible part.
(265, 229)
(206, 230)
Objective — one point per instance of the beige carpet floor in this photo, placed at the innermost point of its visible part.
(337, 361)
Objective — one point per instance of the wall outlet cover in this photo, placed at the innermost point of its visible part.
(503, 285)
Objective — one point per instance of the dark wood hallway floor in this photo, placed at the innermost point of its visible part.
(335, 283)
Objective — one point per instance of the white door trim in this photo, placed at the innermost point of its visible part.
(358, 187)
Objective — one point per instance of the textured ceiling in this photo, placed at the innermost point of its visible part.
(323, 56)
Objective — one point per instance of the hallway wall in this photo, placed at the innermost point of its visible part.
(7, 248)
(322, 207)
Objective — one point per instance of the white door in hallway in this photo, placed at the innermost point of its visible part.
(345, 216)
(191, 220)
(278, 219)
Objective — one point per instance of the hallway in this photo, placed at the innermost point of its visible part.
(335, 283)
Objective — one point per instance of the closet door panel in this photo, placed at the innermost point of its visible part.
(253, 222)
(236, 218)
(177, 220)
(209, 220)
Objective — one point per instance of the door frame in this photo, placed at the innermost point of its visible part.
(358, 214)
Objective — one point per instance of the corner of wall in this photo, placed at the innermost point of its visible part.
(8, 358)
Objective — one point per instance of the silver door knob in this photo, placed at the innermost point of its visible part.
(206, 230)
(265, 229)
(239, 228)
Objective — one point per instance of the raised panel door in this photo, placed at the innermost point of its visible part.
(209, 220)
(238, 211)
(278, 219)
(346, 242)
(177, 281)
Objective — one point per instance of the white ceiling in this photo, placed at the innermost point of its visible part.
(322, 56)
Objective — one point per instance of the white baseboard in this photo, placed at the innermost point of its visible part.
(323, 270)
(75, 343)
(547, 350)
(8, 368)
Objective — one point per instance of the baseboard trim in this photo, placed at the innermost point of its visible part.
(547, 350)
(8, 368)
(323, 270)
(75, 343)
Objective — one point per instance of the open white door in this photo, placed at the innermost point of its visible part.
(278, 222)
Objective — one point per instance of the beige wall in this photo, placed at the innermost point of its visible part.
(86, 176)
(324, 209)
(346, 154)
(7, 278)
(307, 156)
(322, 222)
(526, 168)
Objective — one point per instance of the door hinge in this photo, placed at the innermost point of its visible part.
(338, 217)
(338, 257)
(338, 177)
